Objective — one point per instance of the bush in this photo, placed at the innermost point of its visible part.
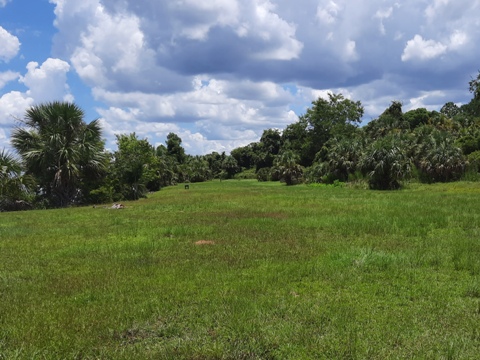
(472, 171)
(246, 174)
(442, 163)
(102, 195)
(313, 174)
(329, 178)
(263, 174)
(474, 161)
(356, 176)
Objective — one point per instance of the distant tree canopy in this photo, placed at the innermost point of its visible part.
(62, 161)
(175, 149)
(330, 146)
(335, 117)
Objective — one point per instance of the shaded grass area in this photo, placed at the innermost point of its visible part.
(294, 272)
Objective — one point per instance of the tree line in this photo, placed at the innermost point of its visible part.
(60, 160)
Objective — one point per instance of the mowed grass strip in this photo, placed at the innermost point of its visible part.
(247, 270)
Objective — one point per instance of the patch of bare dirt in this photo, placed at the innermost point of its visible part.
(204, 242)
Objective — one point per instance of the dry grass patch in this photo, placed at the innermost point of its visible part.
(205, 242)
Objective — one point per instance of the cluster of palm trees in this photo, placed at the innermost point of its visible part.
(62, 161)
(429, 146)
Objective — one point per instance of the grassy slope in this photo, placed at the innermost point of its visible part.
(295, 272)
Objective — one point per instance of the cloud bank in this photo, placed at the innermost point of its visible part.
(219, 72)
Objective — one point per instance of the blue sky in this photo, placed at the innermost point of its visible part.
(219, 72)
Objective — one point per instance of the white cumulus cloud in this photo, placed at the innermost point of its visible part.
(278, 34)
(7, 76)
(217, 71)
(47, 82)
(13, 106)
(418, 48)
(9, 45)
(205, 16)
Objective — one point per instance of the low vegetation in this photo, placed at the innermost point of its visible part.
(247, 270)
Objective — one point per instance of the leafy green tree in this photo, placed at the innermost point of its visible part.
(335, 117)
(136, 167)
(450, 109)
(271, 141)
(296, 137)
(268, 147)
(246, 156)
(215, 160)
(175, 149)
(417, 117)
(390, 121)
(161, 151)
(474, 86)
(473, 107)
(60, 150)
(168, 166)
(386, 163)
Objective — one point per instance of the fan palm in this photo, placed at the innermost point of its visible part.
(443, 162)
(59, 149)
(386, 163)
(437, 156)
(287, 164)
(198, 169)
(14, 184)
(343, 157)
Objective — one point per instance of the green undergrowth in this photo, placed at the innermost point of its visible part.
(302, 272)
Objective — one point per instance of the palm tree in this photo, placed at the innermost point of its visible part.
(15, 186)
(287, 165)
(230, 167)
(198, 169)
(386, 163)
(343, 157)
(442, 162)
(59, 149)
(438, 155)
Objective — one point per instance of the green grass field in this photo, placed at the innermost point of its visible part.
(303, 272)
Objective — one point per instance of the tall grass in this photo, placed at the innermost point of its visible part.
(298, 272)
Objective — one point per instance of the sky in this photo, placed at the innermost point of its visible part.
(219, 72)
